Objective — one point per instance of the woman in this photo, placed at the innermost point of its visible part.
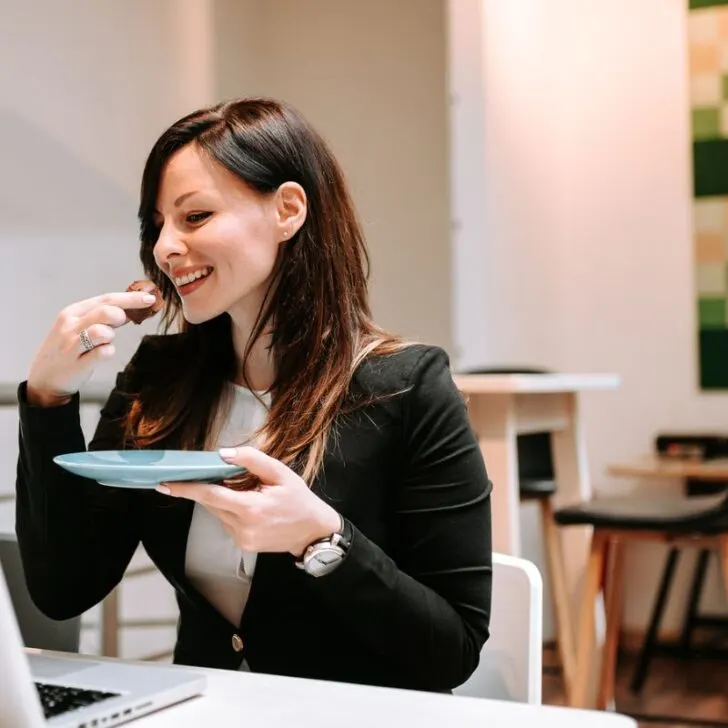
(356, 547)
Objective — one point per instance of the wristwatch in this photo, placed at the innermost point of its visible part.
(325, 554)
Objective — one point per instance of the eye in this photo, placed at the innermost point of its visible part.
(195, 218)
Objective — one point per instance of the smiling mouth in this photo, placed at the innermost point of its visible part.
(188, 278)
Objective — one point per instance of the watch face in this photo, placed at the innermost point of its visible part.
(324, 560)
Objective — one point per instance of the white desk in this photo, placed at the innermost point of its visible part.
(267, 701)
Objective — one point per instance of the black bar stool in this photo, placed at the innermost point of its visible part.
(693, 619)
(698, 521)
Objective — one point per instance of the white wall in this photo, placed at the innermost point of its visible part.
(507, 189)
(371, 77)
(77, 124)
(632, 305)
(585, 173)
(92, 86)
(571, 178)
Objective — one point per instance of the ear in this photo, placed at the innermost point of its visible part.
(291, 208)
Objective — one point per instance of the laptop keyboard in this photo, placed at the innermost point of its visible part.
(58, 699)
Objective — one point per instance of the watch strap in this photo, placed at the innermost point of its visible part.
(346, 532)
(341, 539)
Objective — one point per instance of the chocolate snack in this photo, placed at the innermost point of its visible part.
(137, 315)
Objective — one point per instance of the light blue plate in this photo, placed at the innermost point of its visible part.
(147, 468)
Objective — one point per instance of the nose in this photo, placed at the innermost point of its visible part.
(169, 245)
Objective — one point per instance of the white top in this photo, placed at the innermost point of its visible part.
(215, 566)
(281, 702)
(533, 383)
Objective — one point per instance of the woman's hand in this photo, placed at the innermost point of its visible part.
(283, 515)
(62, 363)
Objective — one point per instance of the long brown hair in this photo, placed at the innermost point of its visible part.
(317, 306)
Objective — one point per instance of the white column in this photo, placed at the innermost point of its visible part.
(508, 195)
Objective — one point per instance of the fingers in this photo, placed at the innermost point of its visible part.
(100, 353)
(211, 496)
(98, 334)
(82, 335)
(104, 314)
(268, 469)
(127, 299)
(98, 322)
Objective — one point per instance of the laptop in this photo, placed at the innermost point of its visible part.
(52, 691)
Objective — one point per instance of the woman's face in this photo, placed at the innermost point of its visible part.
(218, 239)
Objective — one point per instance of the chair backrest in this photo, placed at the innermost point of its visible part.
(535, 456)
(511, 661)
(36, 629)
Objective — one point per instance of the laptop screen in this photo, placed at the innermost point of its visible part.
(19, 703)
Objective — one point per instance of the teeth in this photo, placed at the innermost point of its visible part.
(184, 280)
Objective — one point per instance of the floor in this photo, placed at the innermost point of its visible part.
(678, 693)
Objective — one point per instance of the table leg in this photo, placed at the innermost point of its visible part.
(573, 484)
(110, 625)
(493, 419)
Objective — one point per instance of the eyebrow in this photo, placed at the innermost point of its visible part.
(180, 200)
(183, 197)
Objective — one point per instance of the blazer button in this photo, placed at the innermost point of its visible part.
(237, 643)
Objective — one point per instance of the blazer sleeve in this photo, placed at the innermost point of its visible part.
(76, 538)
(426, 603)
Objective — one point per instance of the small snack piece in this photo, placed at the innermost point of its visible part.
(137, 315)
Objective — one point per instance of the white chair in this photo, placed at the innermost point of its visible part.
(511, 660)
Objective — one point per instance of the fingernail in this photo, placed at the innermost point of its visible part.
(148, 298)
(163, 489)
(226, 452)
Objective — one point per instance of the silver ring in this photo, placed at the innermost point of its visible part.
(86, 343)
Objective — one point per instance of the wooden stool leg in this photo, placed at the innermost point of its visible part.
(110, 624)
(613, 610)
(723, 557)
(561, 598)
(586, 640)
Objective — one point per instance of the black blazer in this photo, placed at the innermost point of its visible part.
(410, 605)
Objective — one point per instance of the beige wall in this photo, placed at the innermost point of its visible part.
(77, 125)
(570, 180)
(583, 252)
(371, 76)
(93, 84)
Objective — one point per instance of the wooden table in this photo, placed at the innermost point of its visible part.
(502, 406)
(653, 466)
